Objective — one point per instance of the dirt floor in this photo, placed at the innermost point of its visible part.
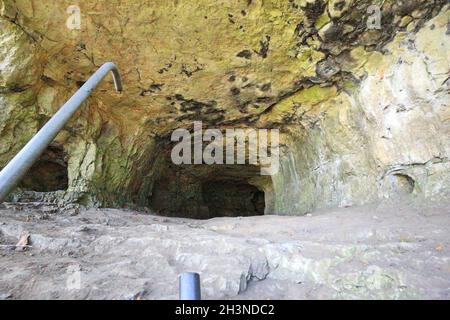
(370, 252)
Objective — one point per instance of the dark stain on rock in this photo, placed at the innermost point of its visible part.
(246, 54)
(230, 18)
(14, 89)
(264, 47)
(243, 106)
(235, 91)
(186, 71)
(248, 85)
(263, 99)
(265, 87)
(179, 97)
(154, 88)
(198, 110)
(194, 105)
(48, 80)
(189, 105)
(165, 68)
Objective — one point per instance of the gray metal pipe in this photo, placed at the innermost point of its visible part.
(11, 175)
(189, 286)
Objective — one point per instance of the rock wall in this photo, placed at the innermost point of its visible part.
(385, 138)
(363, 113)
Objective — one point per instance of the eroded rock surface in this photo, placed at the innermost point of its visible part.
(384, 252)
(363, 112)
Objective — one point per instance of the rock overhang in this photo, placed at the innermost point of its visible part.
(297, 66)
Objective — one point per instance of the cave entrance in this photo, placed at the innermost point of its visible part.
(231, 198)
(210, 191)
(49, 172)
(205, 191)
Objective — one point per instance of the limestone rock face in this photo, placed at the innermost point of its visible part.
(362, 110)
(386, 138)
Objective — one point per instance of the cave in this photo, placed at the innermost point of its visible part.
(231, 198)
(210, 191)
(206, 191)
(48, 173)
(323, 93)
(355, 204)
(206, 199)
(401, 184)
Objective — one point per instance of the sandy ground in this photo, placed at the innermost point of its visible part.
(371, 252)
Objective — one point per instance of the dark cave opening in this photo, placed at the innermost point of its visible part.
(229, 198)
(205, 191)
(187, 197)
(209, 191)
(49, 172)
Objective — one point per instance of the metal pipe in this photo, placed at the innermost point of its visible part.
(11, 175)
(189, 286)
